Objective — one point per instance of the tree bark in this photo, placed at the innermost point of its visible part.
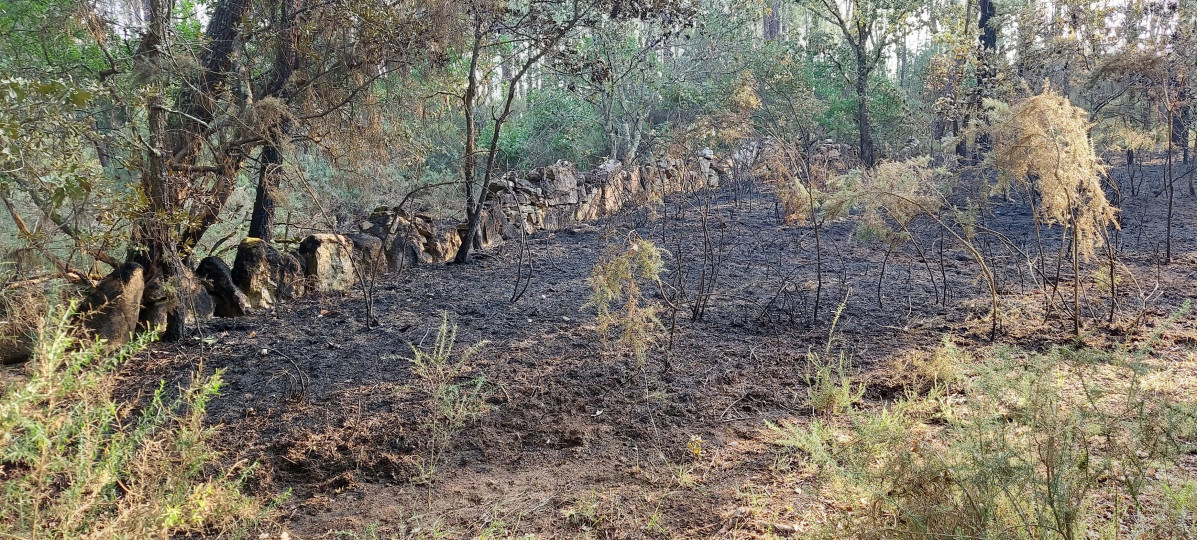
(1180, 121)
(771, 23)
(470, 158)
(153, 244)
(863, 119)
(261, 224)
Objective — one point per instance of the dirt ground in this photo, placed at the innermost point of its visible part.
(579, 439)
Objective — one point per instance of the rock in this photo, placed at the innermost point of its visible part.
(501, 185)
(557, 218)
(227, 299)
(561, 184)
(444, 246)
(182, 294)
(22, 309)
(495, 226)
(265, 275)
(110, 311)
(368, 254)
(609, 168)
(197, 303)
(530, 217)
(588, 208)
(292, 276)
(705, 170)
(402, 243)
(561, 176)
(329, 261)
(526, 187)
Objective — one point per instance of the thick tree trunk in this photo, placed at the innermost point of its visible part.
(261, 222)
(198, 101)
(153, 244)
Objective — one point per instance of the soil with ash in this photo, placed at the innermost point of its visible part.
(579, 438)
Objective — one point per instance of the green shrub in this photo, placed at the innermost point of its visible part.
(1067, 443)
(75, 462)
(451, 399)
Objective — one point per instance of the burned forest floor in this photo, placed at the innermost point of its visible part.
(548, 430)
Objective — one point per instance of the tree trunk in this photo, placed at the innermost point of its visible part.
(988, 32)
(470, 157)
(985, 73)
(863, 120)
(261, 223)
(1180, 123)
(153, 243)
(771, 24)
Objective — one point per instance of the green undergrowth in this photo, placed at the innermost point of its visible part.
(452, 398)
(1073, 442)
(77, 463)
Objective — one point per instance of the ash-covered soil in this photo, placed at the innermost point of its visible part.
(579, 438)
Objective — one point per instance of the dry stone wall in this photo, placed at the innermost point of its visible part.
(548, 198)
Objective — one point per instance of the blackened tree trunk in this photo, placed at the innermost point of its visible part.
(159, 241)
(1180, 121)
(153, 244)
(469, 167)
(986, 69)
(988, 31)
(270, 174)
(261, 222)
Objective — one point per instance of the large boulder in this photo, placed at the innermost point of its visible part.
(265, 274)
(368, 254)
(328, 261)
(110, 311)
(217, 278)
(181, 295)
(402, 243)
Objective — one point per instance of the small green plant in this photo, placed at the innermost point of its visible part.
(77, 463)
(1022, 451)
(451, 398)
(829, 387)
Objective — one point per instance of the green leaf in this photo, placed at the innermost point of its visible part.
(79, 97)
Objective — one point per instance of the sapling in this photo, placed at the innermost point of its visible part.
(1042, 143)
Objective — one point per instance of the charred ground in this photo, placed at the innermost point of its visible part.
(580, 437)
